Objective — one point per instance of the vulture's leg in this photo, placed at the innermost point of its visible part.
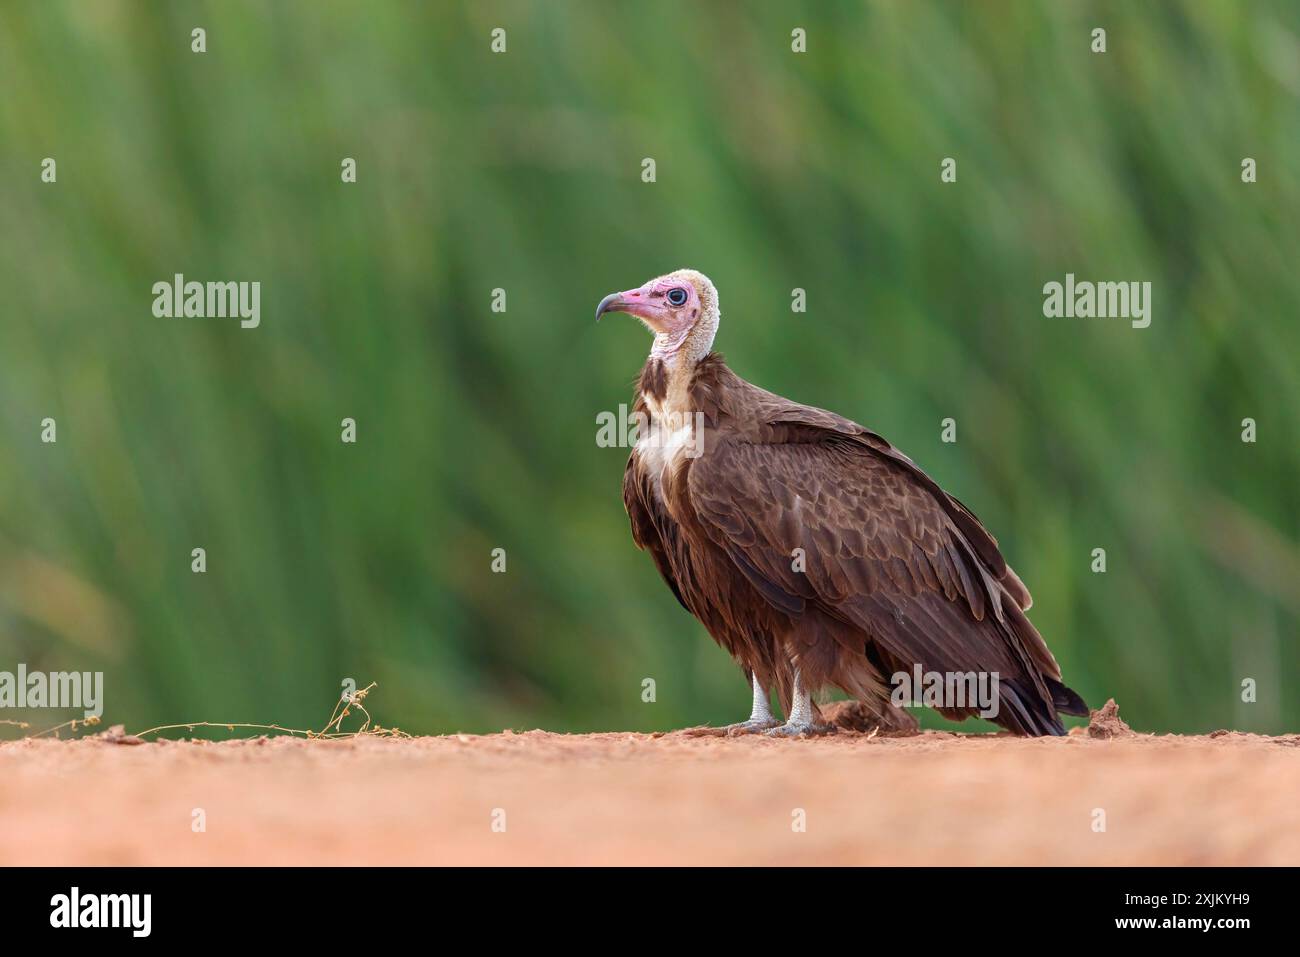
(801, 719)
(760, 715)
(760, 718)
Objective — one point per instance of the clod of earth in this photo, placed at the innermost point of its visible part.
(1106, 722)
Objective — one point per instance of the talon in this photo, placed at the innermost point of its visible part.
(752, 726)
(799, 729)
(704, 731)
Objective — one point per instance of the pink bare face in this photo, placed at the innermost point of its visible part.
(667, 305)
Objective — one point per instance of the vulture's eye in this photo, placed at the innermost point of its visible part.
(677, 296)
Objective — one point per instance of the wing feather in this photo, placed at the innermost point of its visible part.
(650, 529)
(885, 548)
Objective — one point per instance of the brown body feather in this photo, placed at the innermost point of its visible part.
(898, 572)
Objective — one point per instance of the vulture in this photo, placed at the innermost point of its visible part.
(814, 552)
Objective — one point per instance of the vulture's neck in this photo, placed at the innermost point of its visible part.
(672, 362)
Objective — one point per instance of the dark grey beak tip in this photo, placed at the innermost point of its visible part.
(605, 304)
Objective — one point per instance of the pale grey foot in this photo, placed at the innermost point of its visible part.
(760, 719)
(800, 721)
(760, 715)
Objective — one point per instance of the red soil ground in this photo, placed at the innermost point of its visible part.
(931, 798)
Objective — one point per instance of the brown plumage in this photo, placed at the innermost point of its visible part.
(810, 548)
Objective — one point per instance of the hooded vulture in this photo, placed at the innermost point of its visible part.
(812, 550)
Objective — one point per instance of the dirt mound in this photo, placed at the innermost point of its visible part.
(1105, 723)
(859, 717)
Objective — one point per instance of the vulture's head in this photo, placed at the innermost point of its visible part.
(671, 306)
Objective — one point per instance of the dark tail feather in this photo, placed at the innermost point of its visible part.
(1066, 700)
(1025, 712)
(1022, 710)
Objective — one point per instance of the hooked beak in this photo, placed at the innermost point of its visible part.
(611, 303)
(634, 302)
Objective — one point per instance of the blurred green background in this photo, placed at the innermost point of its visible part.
(477, 430)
